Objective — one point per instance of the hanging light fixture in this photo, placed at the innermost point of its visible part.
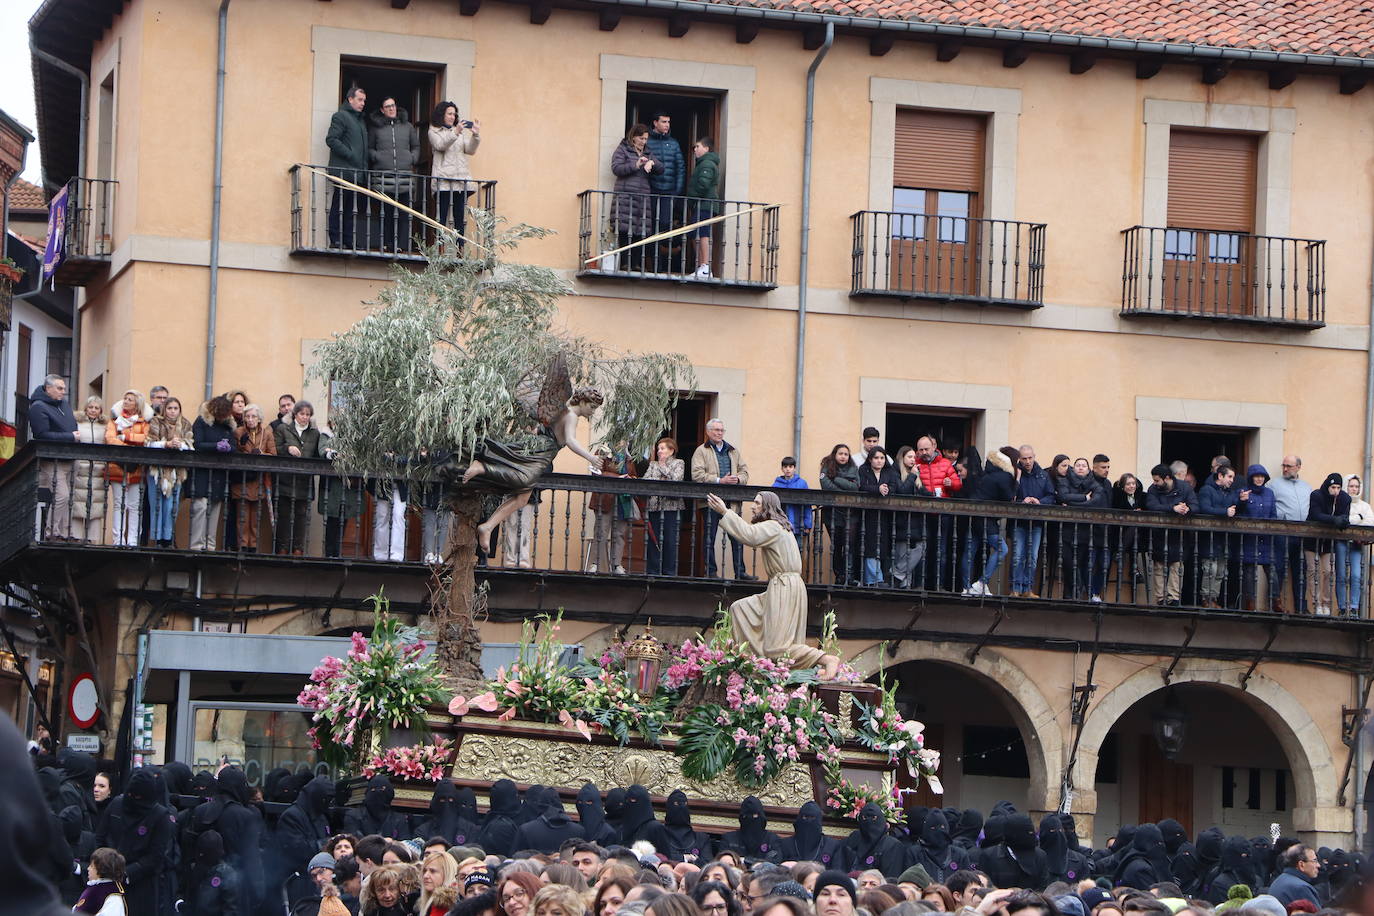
(1170, 726)
(644, 663)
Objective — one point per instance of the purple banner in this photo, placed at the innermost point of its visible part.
(55, 249)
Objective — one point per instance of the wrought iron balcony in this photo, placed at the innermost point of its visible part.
(83, 242)
(1224, 276)
(903, 548)
(948, 258)
(743, 245)
(329, 219)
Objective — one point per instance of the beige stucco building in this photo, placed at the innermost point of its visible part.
(974, 267)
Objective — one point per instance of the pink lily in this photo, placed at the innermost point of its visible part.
(458, 706)
(486, 702)
(507, 715)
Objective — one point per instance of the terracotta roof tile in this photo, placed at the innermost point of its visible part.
(26, 196)
(1338, 27)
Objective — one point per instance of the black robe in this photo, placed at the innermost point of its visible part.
(615, 809)
(753, 840)
(871, 847)
(24, 827)
(302, 830)
(375, 815)
(1234, 868)
(499, 830)
(935, 851)
(1018, 861)
(1146, 863)
(1183, 862)
(808, 842)
(446, 816)
(552, 828)
(639, 823)
(592, 816)
(965, 834)
(240, 824)
(683, 842)
(142, 830)
(1062, 858)
(1209, 843)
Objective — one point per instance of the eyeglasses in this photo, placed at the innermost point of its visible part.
(714, 907)
(515, 893)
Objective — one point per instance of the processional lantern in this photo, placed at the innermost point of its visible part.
(644, 663)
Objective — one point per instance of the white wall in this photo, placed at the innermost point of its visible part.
(43, 326)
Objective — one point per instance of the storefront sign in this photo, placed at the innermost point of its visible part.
(88, 744)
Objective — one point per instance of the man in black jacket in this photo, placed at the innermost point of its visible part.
(52, 420)
(996, 484)
(347, 141)
(1167, 494)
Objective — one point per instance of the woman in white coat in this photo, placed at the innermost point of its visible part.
(453, 141)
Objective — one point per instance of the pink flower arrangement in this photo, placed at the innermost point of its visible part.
(420, 762)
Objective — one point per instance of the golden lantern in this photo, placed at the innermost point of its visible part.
(644, 663)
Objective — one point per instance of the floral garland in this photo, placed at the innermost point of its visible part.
(386, 682)
(847, 799)
(420, 762)
(882, 729)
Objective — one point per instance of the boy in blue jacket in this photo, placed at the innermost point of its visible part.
(799, 516)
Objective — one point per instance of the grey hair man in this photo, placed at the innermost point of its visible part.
(51, 420)
(718, 462)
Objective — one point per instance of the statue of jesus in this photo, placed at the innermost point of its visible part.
(773, 623)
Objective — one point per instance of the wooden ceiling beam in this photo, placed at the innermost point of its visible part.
(678, 25)
(1352, 83)
(1082, 61)
(1148, 67)
(469, 7)
(880, 44)
(608, 18)
(1215, 71)
(947, 50)
(1015, 55)
(1282, 78)
(746, 30)
(540, 11)
(813, 37)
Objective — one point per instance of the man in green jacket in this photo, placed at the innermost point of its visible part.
(704, 186)
(347, 141)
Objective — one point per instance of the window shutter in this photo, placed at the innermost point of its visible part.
(939, 150)
(1212, 181)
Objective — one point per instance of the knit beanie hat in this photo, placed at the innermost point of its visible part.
(915, 875)
(321, 860)
(333, 906)
(1267, 904)
(1235, 897)
(477, 877)
(1093, 896)
(838, 878)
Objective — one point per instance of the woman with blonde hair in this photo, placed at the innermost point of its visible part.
(439, 871)
(88, 477)
(128, 425)
(558, 900)
(250, 492)
(168, 430)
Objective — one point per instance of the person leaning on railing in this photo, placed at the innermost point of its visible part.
(51, 420)
(213, 431)
(88, 478)
(1219, 498)
(1350, 554)
(297, 437)
(1328, 504)
(1167, 494)
(665, 512)
(170, 430)
(393, 149)
(840, 472)
(1259, 551)
(128, 425)
(1124, 540)
(249, 493)
(631, 203)
(453, 140)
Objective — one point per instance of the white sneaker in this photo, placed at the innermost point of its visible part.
(431, 559)
(702, 273)
(1095, 599)
(976, 590)
(620, 570)
(592, 568)
(987, 591)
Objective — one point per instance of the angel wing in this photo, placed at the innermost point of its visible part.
(544, 391)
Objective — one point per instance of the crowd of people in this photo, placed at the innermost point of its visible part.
(208, 844)
(138, 504)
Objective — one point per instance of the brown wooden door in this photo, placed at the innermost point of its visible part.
(937, 180)
(1209, 253)
(1165, 787)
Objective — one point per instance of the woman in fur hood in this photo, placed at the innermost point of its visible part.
(169, 430)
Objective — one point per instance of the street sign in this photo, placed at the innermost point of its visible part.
(83, 702)
(89, 744)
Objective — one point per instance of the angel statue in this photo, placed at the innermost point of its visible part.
(773, 623)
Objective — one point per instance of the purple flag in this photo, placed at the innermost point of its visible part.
(55, 249)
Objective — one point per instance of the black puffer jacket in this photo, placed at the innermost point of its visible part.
(393, 144)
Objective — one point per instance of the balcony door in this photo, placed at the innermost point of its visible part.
(1210, 253)
(937, 183)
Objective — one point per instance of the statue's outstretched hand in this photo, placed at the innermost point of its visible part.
(716, 503)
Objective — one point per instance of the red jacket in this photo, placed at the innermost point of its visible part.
(933, 475)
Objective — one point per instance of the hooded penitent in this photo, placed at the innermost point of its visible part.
(552, 828)
(994, 831)
(935, 851)
(753, 839)
(808, 842)
(228, 812)
(969, 828)
(681, 837)
(615, 808)
(446, 817)
(304, 826)
(1182, 854)
(1018, 861)
(1147, 861)
(639, 820)
(871, 847)
(1062, 860)
(142, 830)
(24, 826)
(376, 815)
(1234, 868)
(498, 831)
(592, 815)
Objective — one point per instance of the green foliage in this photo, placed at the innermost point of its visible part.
(705, 746)
(451, 354)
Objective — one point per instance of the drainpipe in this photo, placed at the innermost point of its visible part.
(805, 272)
(1359, 765)
(216, 207)
(85, 81)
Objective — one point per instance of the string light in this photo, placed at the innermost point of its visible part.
(996, 750)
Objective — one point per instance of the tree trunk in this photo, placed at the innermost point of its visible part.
(459, 645)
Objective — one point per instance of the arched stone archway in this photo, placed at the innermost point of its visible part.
(1033, 715)
(1315, 775)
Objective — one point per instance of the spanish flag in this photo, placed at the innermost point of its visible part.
(7, 434)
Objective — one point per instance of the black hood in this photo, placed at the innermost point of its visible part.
(1124, 837)
(1020, 834)
(1209, 843)
(209, 849)
(77, 766)
(272, 788)
(316, 795)
(24, 832)
(1004, 808)
(753, 824)
(1055, 842)
(677, 814)
(590, 810)
(915, 818)
(806, 830)
(1235, 856)
(203, 784)
(50, 781)
(505, 799)
(531, 804)
(1148, 844)
(467, 804)
(1070, 829)
(377, 799)
(639, 812)
(178, 776)
(872, 822)
(232, 783)
(970, 825)
(935, 836)
(615, 807)
(994, 831)
(142, 793)
(1174, 835)
(443, 811)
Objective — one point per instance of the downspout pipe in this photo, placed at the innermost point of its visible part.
(85, 81)
(804, 274)
(212, 319)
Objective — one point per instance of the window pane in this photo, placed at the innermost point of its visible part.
(1180, 244)
(953, 208)
(1223, 248)
(258, 740)
(909, 207)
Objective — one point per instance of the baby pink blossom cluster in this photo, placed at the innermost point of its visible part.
(424, 762)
